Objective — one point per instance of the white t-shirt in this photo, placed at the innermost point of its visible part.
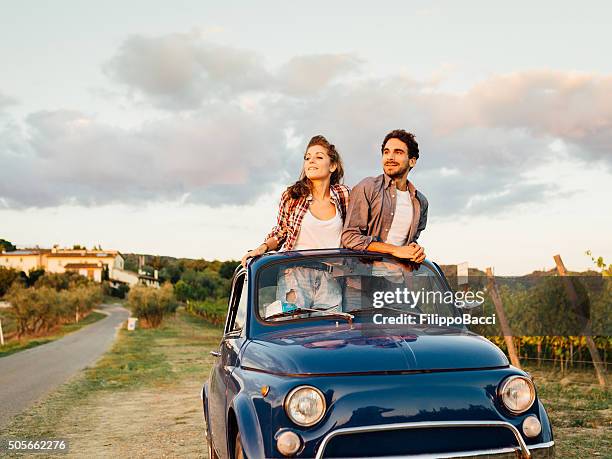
(402, 219)
(319, 234)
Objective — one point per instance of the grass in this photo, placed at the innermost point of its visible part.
(151, 358)
(10, 347)
(162, 359)
(579, 411)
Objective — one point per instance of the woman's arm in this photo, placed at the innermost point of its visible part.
(277, 236)
(269, 244)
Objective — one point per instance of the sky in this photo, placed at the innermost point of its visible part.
(172, 128)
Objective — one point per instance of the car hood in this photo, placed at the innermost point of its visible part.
(331, 350)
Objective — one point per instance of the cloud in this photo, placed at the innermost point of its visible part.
(184, 71)
(304, 75)
(6, 101)
(490, 136)
(180, 71)
(575, 107)
(485, 161)
(225, 156)
(247, 125)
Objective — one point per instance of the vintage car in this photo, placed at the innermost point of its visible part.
(325, 353)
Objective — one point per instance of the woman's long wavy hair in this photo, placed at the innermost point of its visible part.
(303, 186)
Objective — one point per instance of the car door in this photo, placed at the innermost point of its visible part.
(227, 358)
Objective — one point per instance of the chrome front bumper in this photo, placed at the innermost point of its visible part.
(541, 450)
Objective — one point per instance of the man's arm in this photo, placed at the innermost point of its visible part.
(356, 223)
(422, 216)
(412, 251)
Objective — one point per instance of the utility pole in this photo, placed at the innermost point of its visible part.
(503, 321)
(573, 297)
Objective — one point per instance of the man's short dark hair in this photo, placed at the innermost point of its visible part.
(407, 138)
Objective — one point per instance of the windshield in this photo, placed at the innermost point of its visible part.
(361, 286)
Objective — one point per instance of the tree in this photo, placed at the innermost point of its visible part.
(151, 304)
(39, 309)
(606, 270)
(156, 262)
(79, 301)
(7, 246)
(203, 285)
(120, 291)
(227, 268)
(196, 265)
(34, 275)
(183, 291)
(171, 272)
(62, 281)
(131, 262)
(7, 277)
(600, 313)
(35, 310)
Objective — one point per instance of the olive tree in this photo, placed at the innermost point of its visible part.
(150, 304)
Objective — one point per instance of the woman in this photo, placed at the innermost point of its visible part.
(312, 210)
(310, 216)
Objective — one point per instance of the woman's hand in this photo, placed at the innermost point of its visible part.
(253, 253)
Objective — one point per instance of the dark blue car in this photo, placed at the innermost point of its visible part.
(327, 353)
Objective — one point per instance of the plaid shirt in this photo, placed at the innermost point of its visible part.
(292, 211)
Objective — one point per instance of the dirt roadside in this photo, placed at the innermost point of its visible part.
(141, 400)
(31, 374)
(144, 423)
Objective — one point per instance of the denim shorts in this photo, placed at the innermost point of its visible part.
(313, 288)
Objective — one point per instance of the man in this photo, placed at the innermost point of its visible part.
(386, 213)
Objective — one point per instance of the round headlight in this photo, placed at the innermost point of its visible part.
(531, 427)
(517, 394)
(288, 443)
(305, 405)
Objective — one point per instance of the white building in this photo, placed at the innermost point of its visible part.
(89, 263)
(92, 264)
(23, 260)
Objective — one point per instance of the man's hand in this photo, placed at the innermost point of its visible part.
(412, 251)
(420, 255)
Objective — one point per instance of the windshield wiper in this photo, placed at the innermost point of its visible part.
(344, 315)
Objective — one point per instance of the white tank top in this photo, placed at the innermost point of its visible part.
(319, 234)
(402, 219)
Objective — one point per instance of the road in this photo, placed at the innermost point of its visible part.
(27, 376)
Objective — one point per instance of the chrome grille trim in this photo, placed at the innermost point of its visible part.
(473, 453)
(522, 446)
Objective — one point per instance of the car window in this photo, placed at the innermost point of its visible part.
(236, 315)
(349, 283)
(241, 309)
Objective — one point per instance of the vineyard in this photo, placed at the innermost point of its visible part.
(213, 311)
(564, 352)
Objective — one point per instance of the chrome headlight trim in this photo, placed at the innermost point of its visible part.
(288, 400)
(504, 384)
